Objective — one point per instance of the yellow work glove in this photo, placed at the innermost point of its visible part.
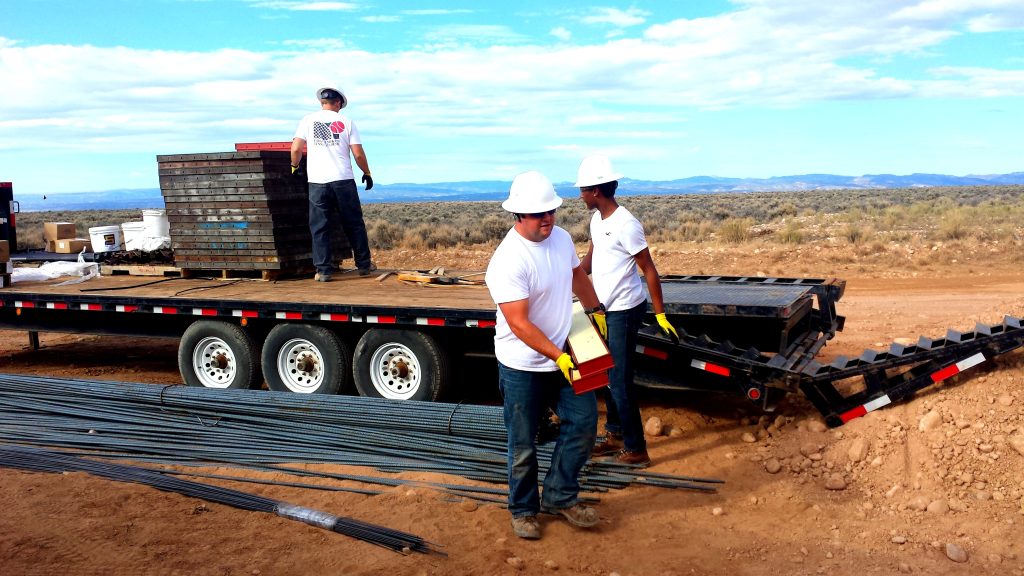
(565, 364)
(667, 328)
(602, 324)
(295, 169)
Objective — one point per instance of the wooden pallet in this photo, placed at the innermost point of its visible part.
(139, 270)
(254, 273)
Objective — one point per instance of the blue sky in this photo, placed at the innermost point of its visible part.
(91, 92)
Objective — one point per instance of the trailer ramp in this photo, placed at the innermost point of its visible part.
(842, 390)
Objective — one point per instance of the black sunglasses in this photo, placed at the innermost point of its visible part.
(540, 214)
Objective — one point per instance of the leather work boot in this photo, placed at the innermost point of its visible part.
(637, 458)
(526, 527)
(578, 515)
(607, 446)
(322, 277)
(366, 271)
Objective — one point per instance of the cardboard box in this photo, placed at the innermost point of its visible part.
(587, 347)
(59, 231)
(72, 246)
(5, 251)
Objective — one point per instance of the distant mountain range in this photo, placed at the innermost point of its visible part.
(498, 189)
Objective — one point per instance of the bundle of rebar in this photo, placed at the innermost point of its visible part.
(184, 425)
(38, 460)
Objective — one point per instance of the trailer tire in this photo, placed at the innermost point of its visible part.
(400, 365)
(215, 354)
(306, 359)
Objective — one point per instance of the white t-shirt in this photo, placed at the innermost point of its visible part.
(328, 136)
(613, 269)
(541, 272)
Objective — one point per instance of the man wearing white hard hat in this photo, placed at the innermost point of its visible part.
(532, 277)
(329, 137)
(618, 247)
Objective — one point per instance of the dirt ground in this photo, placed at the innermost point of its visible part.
(914, 488)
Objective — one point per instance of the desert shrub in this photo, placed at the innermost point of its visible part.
(791, 234)
(735, 230)
(953, 225)
(384, 235)
(855, 232)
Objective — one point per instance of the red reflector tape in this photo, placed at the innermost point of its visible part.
(245, 313)
(709, 367)
(652, 352)
(289, 315)
(859, 411)
(204, 312)
(92, 307)
(335, 317)
(855, 413)
(123, 308)
(24, 304)
(957, 368)
(381, 319)
(430, 321)
(164, 310)
(57, 305)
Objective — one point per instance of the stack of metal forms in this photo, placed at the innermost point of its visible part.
(239, 211)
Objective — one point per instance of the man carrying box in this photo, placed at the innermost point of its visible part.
(532, 277)
(618, 247)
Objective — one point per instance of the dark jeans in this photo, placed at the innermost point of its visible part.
(338, 197)
(620, 399)
(526, 398)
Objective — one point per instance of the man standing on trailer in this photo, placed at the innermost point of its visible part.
(618, 246)
(532, 277)
(329, 138)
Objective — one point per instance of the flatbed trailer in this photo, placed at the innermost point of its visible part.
(378, 336)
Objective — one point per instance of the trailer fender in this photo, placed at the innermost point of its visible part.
(214, 354)
(306, 359)
(400, 364)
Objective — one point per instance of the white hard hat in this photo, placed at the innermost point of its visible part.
(595, 170)
(330, 93)
(531, 193)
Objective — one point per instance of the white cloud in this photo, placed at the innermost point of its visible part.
(381, 19)
(435, 12)
(302, 6)
(996, 23)
(616, 17)
(463, 34)
(561, 33)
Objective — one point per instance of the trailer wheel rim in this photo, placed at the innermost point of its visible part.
(214, 363)
(300, 366)
(395, 371)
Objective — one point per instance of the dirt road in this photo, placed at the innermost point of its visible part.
(903, 500)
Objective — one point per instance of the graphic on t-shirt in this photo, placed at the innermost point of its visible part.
(328, 134)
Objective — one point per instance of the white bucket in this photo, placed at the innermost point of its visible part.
(134, 234)
(156, 223)
(105, 238)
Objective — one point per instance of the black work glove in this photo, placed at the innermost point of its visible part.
(368, 180)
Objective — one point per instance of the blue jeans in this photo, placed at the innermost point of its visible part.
(526, 397)
(338, 197)
(623, 417)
